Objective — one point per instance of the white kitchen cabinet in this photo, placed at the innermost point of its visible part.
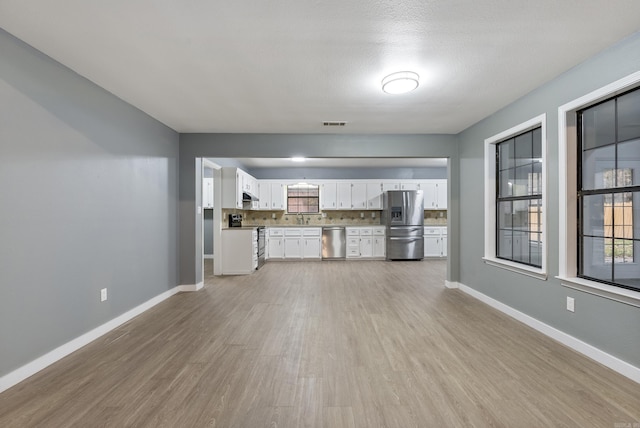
(264, 195)
(328, 196)
(360, 242)
(374, 195)
(366, 246)
(359, 196)
(390, 185)
(292, 248)
(240, 251)
(379, 242)
(435, 241)
(343, 192)
(441, 194)
(429, 193)
(207, 193)
(277, 197)
(409, 185)
(311, 248)
(275, 243)
(235, 182)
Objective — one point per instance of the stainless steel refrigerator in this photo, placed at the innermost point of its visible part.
(403, 214)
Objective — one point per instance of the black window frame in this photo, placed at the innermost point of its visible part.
(527, 198)
(613, 191)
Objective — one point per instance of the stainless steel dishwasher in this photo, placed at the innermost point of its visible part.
(334, 243)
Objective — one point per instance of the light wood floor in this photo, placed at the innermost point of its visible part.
(324, 344)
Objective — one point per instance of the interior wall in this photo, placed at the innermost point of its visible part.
(88, 187)
(193, 146)
(603, 323)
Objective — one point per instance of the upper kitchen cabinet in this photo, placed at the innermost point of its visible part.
(435, 194)
(277, 200)
(374, 195)
(328, 196)
(359, 196)
(237, 186)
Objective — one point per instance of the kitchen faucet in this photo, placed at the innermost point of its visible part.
(300, 218)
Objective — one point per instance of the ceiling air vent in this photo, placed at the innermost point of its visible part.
(334, 123)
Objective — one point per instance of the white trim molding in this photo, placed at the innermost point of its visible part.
(567, 194)
(451, 284)
(191, 287)
(490, 199)
(20, 374)
(608, 360)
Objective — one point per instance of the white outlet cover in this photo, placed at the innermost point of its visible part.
(571, 304)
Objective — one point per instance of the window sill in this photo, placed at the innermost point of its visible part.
(517, 268)
(610, 292)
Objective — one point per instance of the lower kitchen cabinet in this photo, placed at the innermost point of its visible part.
(435, 241)
(294, 243)
(365, 242)
(240, 251)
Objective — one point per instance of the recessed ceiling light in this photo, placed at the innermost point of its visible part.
(298, 159)
(400, 82)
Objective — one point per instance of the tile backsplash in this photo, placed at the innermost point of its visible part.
(346, 218)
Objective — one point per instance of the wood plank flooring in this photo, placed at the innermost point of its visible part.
(352, 344)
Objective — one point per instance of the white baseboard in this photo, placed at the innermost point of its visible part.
(451, 284)
(614, 363)
(20, 374)
(191, 287)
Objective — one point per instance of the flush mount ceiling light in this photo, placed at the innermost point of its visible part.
(298, 159)
(400, 82)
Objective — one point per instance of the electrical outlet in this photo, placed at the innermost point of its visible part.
(571, 304)
(103, 294)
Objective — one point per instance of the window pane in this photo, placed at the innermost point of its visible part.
(629, 160)
(506, 154)
(535, 181)
(598, 125)
(524, 149)
(522, 184)
(507, 179)
(537, 144)
(594, 257)
(505, 217)
(597, 168)
(505, 241)
(628, 116)
(535, 248)
(535, 215)
(521, 215)
(628, 273)
(521, 246)
(594, 212)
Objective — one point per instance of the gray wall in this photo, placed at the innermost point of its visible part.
(193, 146)
(610, 326)
(349, 173)
(88, 187)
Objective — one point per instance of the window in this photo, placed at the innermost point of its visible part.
(303, 198)
(608, 190)
(515, 182)
(519, 198)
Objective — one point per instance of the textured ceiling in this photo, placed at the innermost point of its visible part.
(286, 66)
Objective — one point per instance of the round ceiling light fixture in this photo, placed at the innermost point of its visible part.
(400, 82)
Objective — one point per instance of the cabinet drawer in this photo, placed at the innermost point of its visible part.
(293, 232)
(379, 231)
(312, 231)
(353, 242)
(432, 231)
(276, 232)
(352, 231)
(366, 231)
(353, 252)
